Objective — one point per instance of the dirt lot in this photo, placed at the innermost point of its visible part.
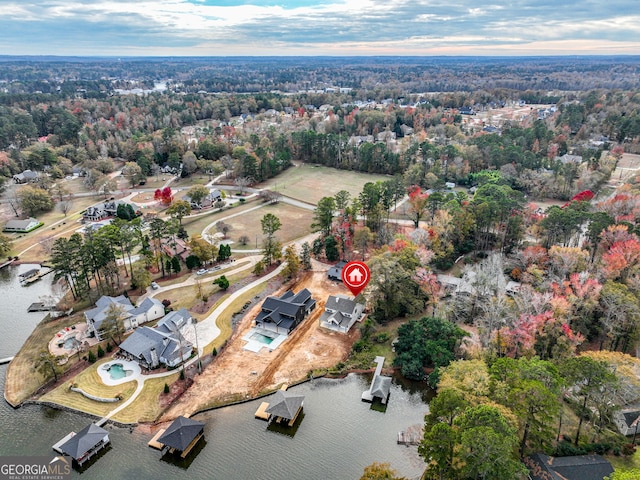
(237, 374)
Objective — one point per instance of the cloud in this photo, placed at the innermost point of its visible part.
(347, 27)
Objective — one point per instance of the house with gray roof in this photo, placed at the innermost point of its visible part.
(578, 467)
(285, 406)
(85, 444)
(282, 314)
(22, 226)
(132, 316)
(340, 313)
(335, 272)
(182, 435)
(25, 177)
(151, 347)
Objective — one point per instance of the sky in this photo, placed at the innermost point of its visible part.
(321, 27)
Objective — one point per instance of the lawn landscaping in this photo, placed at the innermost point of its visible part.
(90, 382)
(198, 222)
(146, 408)
(309, 183)
(22, 379)
(296, 223)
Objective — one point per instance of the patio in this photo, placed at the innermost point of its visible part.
(68, 340)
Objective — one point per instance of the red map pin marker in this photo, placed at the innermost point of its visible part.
(356, 275)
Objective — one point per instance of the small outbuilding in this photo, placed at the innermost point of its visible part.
(181, 436)
(285, 407)
(84, 444)
(380, 385)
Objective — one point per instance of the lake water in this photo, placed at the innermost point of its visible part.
(16, 323)
(337, 436)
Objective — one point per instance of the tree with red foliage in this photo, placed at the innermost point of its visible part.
(164, 195)
(417, 204)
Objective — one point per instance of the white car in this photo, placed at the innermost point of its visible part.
(154, 285)
(202, 271)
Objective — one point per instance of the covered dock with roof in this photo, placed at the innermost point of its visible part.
(85, 444)
(181, 436)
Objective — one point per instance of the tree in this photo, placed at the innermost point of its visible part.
(140, 276)
(223, 228)
(113, 323)
(224, 252)
(48, 365)
(589, 378)
(134, 173)
(418, 203)
(179, 209)
(292, 265)
(487, 442)
(380, 471)
(428, 342)
(33, 200)
(632, 474)
(175, 264)
(259, 267)
(197, 194)
(362, 238)
(6, 244)
(203, 250)
(221, 282)
(305, 257)
(242, 183)
(270, 224)
(342, 199)
(531, 389)
(323, 215)
(164, 195)
(272, 250)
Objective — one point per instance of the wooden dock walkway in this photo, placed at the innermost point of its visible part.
(411, 436)
(261, 412)
(153, 443)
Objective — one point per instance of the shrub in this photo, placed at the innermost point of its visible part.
(166, 388)
(381, 337)
(359, 346)
(109, 347)
(92, 357)
(100, 351)
(214, 352)
(182, 374)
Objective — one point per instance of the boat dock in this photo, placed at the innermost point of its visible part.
(5, 360)
(153, 443)
(411, 436)
(62, 441)
(7, 263)
(40, 307)
(33, 275)
(261, 413)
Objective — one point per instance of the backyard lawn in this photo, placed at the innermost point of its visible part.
(309, 183)
(296, 223)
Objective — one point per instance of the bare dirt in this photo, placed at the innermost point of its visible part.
(238, 374)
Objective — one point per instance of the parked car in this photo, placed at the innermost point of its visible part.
(202, 271)
(154, 285)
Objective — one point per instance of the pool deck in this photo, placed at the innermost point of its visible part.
(105, 376)
(256, 345)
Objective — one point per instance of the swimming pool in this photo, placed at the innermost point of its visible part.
(117, 371)
(258, 337)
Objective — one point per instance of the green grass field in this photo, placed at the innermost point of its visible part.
(296, 223)
(309, 183)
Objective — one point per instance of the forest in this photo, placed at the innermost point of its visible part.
(550, 296)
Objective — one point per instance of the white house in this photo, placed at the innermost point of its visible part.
(340, 313)
(132, 316)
